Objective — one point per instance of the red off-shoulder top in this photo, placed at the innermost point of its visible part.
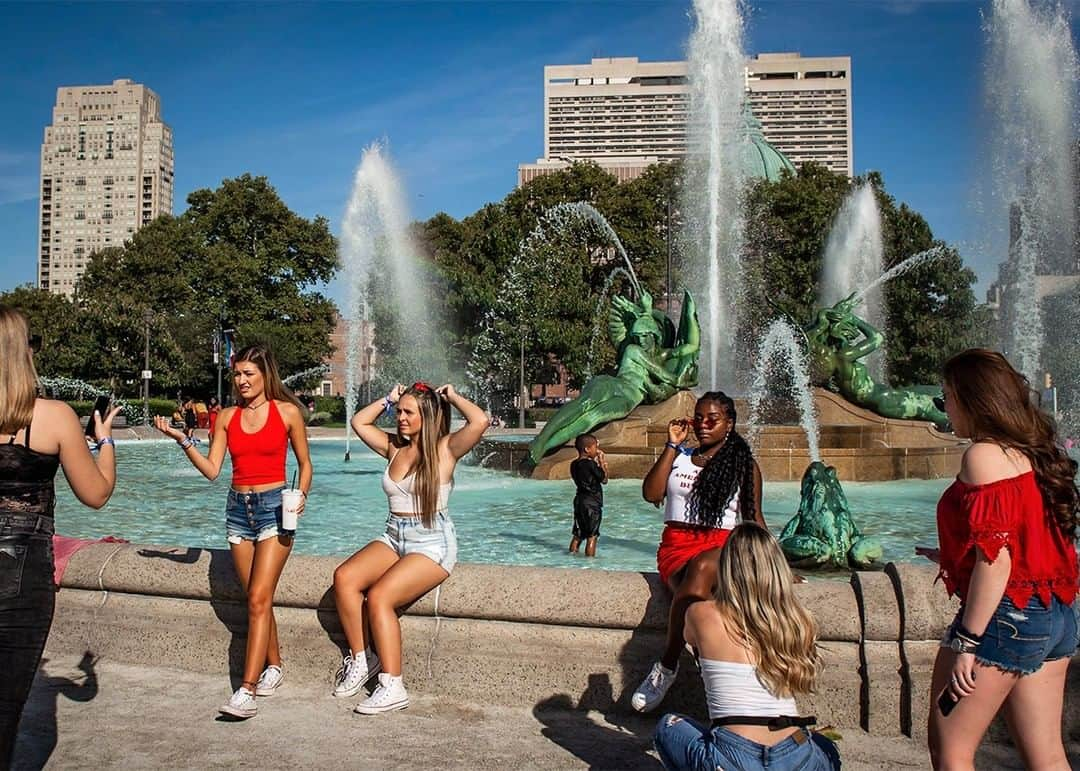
(1010, 512)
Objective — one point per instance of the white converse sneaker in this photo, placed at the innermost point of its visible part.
(388, 696)
(269, 681)
(653, 688)
(355, 671)
(241, 704)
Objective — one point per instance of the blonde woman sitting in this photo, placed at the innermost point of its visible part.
(758, 649)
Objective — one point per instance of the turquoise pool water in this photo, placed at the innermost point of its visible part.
(161, 499)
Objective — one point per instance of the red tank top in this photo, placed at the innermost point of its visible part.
(1009, 512)
(259, 458)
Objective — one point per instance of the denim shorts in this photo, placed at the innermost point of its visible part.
(254, 516)
(683, 743)
(1020, 641)
(407, 535)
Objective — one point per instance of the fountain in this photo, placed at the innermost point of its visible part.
(716, 178)
(1032, 76)
(300, 377)
(73, 388)
(781, 351)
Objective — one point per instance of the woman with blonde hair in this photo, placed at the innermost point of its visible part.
(419, 547)
(257, 432)
(1006, 531)
(28, 464)
(758, 650)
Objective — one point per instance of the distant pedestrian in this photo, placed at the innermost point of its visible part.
(187, 410)
(213, 409)
(590, 473)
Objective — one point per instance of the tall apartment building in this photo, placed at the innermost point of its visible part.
(106, 170)
(625, 114)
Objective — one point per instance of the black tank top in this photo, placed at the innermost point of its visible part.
(26, 479)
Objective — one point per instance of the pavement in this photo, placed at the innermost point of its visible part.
(87, 713)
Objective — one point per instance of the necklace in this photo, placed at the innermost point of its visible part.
(254, 407)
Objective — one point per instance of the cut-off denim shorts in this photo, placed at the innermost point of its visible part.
(683, 743)
(254, 516)
(407, 535)
(1021, 641)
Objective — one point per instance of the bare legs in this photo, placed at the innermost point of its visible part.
(1033, 706)
(697, 582)
(590, 546)
(259, 566)
(370, 586)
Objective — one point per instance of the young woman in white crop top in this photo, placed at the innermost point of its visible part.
(419, 547)
(706, 492)
(758, 650)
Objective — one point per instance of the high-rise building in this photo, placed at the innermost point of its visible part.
(625, 114)
(106, 170)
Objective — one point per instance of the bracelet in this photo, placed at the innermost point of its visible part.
(672, 445)
(104, 441)
(388, 405)
(186, 442)
(964, 634)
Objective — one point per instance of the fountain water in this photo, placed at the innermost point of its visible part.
(1032, 76)
(781, 351)
(900, 268)
(299, 377)
(854, 254)
(374, 232)
(73, 388)
(559, 215)
(601, 317)
(715, 181)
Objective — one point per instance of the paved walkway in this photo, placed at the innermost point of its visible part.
(111, 715)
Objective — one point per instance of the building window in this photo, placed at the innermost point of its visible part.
(326, 388)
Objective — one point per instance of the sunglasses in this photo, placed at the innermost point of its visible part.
(939, 402)
(706, 422)
(35, 343)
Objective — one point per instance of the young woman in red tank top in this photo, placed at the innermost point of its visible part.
(256, 432)
(1006, 531)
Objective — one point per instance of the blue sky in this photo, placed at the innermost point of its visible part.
(296, 91)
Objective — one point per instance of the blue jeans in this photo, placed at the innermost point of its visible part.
(254, 516)
(27, 599)
(683, 743)
(407, 535)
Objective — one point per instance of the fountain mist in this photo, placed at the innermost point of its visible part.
(1031, 82)
(781, 352)
(715, 181)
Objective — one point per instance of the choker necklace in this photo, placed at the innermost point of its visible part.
(255, 406)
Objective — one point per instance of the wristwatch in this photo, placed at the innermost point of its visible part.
(960, 645)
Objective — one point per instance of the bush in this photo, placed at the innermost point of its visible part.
(333, 405)
(157, 407)
(318, 418)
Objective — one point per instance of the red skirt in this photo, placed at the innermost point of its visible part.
(680, 543)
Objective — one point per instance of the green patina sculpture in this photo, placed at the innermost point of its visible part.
(822, 533)
(837, 340)
(655, 361)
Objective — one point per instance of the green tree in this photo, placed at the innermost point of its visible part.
(65, 343)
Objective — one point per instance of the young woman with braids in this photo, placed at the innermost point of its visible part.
(1006, 530)
(706, 492)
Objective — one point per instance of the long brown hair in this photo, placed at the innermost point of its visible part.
(261, 356)
(1000, 407)
(755, 597)
(18, 378)
(434, 425)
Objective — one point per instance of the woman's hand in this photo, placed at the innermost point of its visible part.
(962, 680)
(447, 392)
(161, 423)
(395, 393)
(678, 430)
(103, 428)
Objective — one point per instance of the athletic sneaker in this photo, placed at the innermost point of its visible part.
(388, 696)
(269, 681)
(241, 704)
(355, 671)
(653, 688)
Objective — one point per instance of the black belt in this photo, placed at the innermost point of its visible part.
(774, 723)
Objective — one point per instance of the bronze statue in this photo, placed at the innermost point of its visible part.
(837, 340)
(655, 361)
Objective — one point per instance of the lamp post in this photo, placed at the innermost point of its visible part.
(521, 395)
(148, 315)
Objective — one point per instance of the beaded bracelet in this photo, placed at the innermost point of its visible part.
(672, 445)
(186, 442)
(104, 441)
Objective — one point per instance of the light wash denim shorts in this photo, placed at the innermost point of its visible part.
(407, 535)
(253, 516)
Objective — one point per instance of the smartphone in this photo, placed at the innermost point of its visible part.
(101, 407)
(947, 702)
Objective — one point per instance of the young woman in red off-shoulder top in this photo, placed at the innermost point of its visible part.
(1006, 532)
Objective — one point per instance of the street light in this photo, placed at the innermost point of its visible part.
(148, 316)
(521, 395)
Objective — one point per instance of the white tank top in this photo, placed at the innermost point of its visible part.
(684, 472)
(401, 495)
(733, 688)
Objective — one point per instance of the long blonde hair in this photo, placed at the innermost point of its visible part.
(18, 378)
(755, 596)
(434, 425)
(261, 356)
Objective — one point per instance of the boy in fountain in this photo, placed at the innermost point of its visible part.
(589, 473)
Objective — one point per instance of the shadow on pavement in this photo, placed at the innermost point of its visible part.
(37, 729)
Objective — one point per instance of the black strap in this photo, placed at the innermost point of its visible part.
(774, 723)
(28, 435)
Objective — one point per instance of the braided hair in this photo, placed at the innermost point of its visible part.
(730, 469)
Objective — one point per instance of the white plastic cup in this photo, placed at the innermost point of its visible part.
(290, 505)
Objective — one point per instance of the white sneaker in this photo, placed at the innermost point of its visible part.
(653, 688)
(241, 704)
(355, 671)
(269, 681)
(388, 696)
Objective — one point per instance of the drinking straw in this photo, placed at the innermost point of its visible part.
(293, 480)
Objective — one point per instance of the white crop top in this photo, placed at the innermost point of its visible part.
(684, 472)
(402, 495)
(733, 688)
